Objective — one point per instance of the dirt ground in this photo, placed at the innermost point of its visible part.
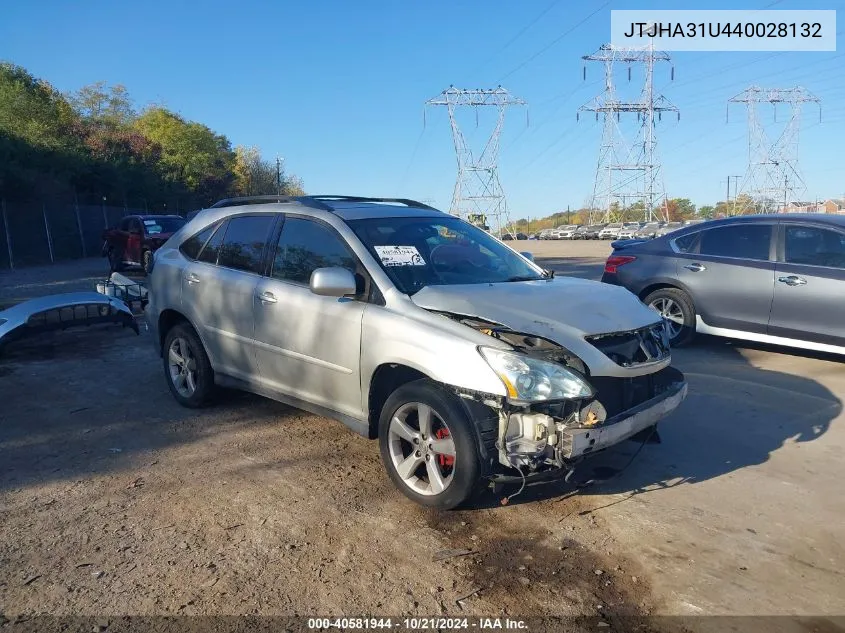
(115, 500)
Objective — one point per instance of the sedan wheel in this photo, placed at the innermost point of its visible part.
(678, 312)
(421, 449)
(671, 311)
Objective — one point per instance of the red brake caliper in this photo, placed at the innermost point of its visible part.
(445, 460)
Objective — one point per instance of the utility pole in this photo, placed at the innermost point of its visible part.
(567, 215)
(736, 192)
(627, 169)
(772, 163)
(278, 176)
(477, 192)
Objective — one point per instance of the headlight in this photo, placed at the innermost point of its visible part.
(532, 380)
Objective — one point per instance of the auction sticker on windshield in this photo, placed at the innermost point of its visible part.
(399, 256)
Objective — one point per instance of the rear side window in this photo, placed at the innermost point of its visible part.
(212, 248)
(814, 246)
(191, 247)
(686, 243)
(244, 243)
(744, 241)
(304, 246)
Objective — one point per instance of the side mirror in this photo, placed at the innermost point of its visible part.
(333, 282)
(528, 256)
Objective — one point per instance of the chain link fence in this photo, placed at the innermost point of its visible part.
(49, 231)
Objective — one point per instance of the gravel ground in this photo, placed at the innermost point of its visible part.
(114, 500)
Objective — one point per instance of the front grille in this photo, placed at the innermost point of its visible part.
(621, 394)
(627, 349)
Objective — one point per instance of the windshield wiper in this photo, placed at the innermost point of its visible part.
(523, 278)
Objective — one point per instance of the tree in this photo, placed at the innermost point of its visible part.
(191, 154)
(685, 209)
(706, 212)
(103, 104)
(253, 175)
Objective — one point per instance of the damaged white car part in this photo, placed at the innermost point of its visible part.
(553, 414)
(60, 312)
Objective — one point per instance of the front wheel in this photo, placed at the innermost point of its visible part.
(677, 308)
(428, 445)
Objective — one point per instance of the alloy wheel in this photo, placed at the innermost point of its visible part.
(183, 367)
(671, 311)
(421, 448)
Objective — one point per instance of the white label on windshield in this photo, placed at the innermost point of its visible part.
(399, 256)
(150, 222)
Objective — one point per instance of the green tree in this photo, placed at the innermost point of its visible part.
(192, 155)
(101, 103)
(685, 209)
(706, 212)
(254, 176)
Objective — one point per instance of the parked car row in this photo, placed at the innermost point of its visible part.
(612, 230)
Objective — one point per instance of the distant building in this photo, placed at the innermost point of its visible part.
(831, 205)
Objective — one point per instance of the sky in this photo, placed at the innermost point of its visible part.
(337, 87)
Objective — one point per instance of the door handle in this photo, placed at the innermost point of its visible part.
(191, 278)
(696, 268)
(267, 297)
(792, 280)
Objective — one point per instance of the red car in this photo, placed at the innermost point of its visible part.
(135, 239)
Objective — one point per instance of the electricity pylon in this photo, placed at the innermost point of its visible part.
(772, 178)
(627, 170)
(478, 194)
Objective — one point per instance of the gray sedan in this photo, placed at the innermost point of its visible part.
(770, 278)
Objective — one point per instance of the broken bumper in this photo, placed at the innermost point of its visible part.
(577, 442)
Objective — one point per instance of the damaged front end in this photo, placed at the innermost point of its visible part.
(556, 413)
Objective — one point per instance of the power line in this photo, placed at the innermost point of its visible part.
(516, 37)
(555, 41)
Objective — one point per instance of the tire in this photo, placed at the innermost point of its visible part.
(459, 478)
(677, 303)
(195, 389)
(147, 261)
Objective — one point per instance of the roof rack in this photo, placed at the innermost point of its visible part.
(318, 202)
(407, 202)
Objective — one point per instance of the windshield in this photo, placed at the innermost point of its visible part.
(154, 226)
(417, 252)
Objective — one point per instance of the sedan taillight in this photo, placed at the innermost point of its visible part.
(615, 261)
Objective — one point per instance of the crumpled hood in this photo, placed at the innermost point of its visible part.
(558, 309)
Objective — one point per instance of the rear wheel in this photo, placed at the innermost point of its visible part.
(187, 368)
(428, 445)
(677, 309)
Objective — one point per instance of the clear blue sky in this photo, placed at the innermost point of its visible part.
(337, 87)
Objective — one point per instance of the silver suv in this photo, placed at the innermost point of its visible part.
(468, 362)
